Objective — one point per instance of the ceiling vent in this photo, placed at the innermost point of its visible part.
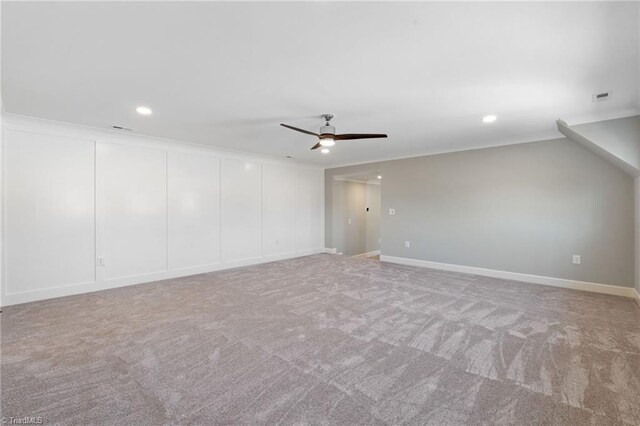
(599, 97)
(126, 129)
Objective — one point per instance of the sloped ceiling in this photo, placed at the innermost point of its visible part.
(615, 140)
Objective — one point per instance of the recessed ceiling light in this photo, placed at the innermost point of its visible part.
(324, 150)
(489, 118)
(143, 110)
(379, 177)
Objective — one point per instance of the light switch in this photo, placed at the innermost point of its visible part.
(392, 211)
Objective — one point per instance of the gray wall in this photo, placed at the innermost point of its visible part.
(373, 218)
(522, 208)
(637, 233)
(354, 230)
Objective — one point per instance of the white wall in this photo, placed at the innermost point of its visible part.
(241, 210)
(278, 211)
(85, 209)
(131, 201)
(193, 210)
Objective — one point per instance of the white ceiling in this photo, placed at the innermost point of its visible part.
(227, 74)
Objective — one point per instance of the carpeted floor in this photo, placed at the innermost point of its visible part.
(324, 340)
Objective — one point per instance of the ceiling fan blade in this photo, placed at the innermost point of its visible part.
(299, 130)
(348, 136)
(316, 146)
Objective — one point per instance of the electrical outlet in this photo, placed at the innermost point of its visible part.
(577, 260)
(100, 261)
(350, 221)
(392, 212)
(407, 244)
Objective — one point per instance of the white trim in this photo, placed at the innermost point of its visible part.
(79, 131)
(330, 250)
(82, 288)
(368, 254)
(515, 276)
(366, 182)
(636, 296)
(535, 137)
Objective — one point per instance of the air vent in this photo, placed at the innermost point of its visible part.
(126, 129)
(599, 97)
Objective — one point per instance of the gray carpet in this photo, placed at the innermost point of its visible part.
(324, 340)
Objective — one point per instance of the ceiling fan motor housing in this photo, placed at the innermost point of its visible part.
(327, 131)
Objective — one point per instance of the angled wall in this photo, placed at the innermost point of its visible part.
(617, 141)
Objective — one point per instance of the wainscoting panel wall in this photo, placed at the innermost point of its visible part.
(85, 209)
(194, 210)
(241, 210)
(278, 210)
(132, 210)
(48, 235)
(309, 200)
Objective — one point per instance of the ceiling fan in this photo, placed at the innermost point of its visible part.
(328, 137)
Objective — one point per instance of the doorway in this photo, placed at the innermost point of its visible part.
(356, 214)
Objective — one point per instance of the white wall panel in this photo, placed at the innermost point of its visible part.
(149, 209)
(48, 212)
(241, 210)
(132, 210)
(194, 210)
(278, 210)
(309, 205)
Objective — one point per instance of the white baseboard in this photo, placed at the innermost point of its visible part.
(515, 276)
(636, 296)
(90, 287)
(330, 250)
(368, 254)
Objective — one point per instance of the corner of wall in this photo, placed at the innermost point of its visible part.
(637, 233)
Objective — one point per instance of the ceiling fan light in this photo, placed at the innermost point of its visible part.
(327, 142)
(325, 150)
